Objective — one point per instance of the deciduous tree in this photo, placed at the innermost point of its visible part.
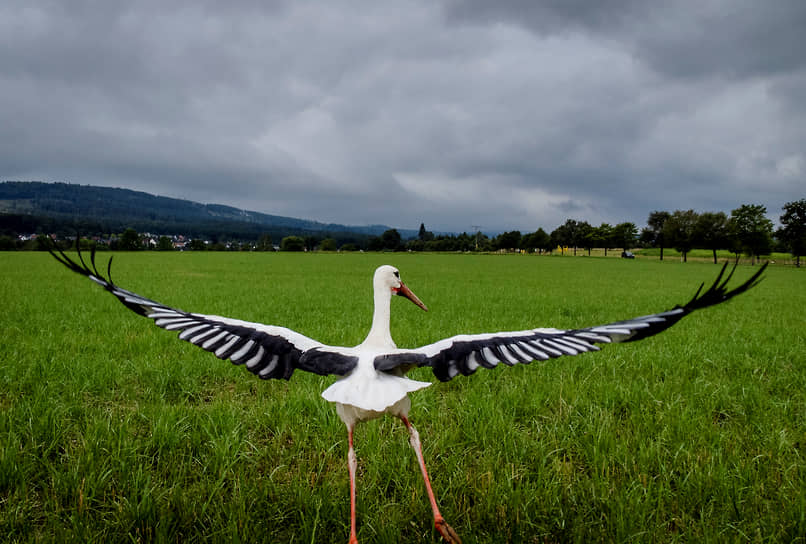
(508, 240)
(197, 244)
(678, 231)
(164, 244)
(328, 244)
(751, 230)
(711, 231)
(392, 240)
(793, 230)
(625, 235)
(571, 230)
(537, 240)
(603, 234)
(655, 230)
(292, 243)
(129, 240)
(586, 235)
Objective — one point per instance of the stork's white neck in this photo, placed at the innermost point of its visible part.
(380, 335)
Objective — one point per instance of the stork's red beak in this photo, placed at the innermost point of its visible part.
(406, 292)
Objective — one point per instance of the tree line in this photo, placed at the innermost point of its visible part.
(746, 230)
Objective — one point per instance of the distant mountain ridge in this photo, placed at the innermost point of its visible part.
(116, 208)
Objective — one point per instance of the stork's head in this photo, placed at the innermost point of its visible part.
(388, 278)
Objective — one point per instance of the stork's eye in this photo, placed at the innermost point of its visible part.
(397, 274)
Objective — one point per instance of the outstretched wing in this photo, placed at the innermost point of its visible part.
(265, 350)
(465, 353)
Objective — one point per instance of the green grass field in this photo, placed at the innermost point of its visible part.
(111, 430)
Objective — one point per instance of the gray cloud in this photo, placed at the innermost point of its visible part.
(726, 38)
(501, 114)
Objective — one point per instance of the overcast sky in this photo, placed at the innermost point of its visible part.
(511, 114)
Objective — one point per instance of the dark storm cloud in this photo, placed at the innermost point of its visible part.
(501, 114)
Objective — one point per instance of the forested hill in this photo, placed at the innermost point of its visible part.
(65, 205)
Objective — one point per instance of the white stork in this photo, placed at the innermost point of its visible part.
(372, 374)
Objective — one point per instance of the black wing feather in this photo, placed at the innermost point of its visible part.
(265, 354)
(465, 354)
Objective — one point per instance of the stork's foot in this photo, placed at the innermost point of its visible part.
(447, 532)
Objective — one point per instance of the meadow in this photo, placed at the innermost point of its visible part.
(111, 430)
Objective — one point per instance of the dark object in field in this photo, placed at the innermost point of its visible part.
(627, 255)
(373, 379)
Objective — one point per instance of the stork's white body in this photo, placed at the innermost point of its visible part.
(366, 393)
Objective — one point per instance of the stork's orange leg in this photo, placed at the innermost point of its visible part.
(353, 465)
(447, 532)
